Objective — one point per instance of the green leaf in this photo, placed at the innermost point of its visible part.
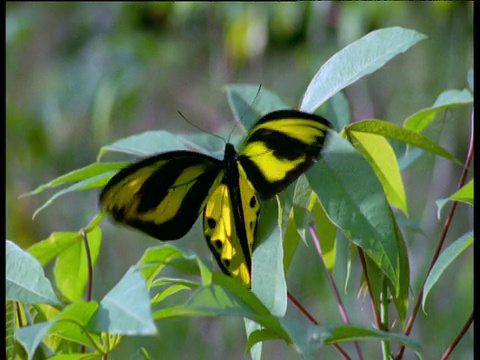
(464, 194)
(141, 354)
(290, 242)
(71, 323)
(47, 250)
(177, 286)
(354, 200)
(268, 277)
(401, 298)
(145, 144)
(444, 260)
(256, 337)
(125, 310)
(30, 337)
(307, 209)
(156, 258)
(25, 279)
(71, 269)
(446, 100)
(395, 132)
(309, 338)
(326, 232)
(303, 200)
(88, 356)
(91, 183)
(356, 60)
(379, 153)
(78, 175)
(228, 298)
(254, 347)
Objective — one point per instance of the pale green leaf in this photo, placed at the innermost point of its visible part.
(25, 279)
(125, 310)
(31, 336)
(356, 60)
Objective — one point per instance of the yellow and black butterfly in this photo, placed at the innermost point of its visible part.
(164, 194)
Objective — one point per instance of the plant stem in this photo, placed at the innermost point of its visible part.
(384, 318)
(336, 293)
(376, 314)
(314, 322)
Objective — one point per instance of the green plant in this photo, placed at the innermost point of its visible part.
(355, 186)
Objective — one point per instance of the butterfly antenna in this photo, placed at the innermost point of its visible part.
(251, 106)
(198, 127)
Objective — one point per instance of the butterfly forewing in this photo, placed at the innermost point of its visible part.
(282, 145)
(162, 195)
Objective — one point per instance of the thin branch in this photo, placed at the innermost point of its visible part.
(90, 275)
(458, 338)
(336, 293)
(90, 267)
(302, 309)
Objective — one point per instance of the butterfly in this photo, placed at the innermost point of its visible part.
(164, 194)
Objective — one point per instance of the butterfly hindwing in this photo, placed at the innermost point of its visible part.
(230, 220)
(282, 146)
(162, 195)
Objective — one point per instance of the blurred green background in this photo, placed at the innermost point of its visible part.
(82, 75)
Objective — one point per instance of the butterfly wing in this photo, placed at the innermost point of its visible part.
(230, 220)
(162, 195)
(281, 146)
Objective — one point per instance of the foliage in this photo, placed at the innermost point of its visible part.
(356, 188)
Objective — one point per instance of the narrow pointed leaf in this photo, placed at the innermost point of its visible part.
(395, 132)
(448, 99)
(444, 260)
(78, 175)
(465, 194)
